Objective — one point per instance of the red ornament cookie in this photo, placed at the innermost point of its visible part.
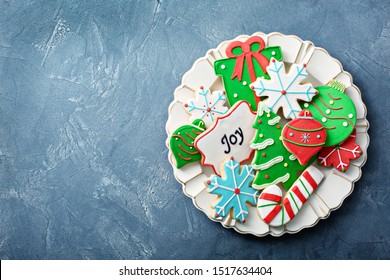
(304, 136)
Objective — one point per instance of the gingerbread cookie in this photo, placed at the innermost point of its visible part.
(246, 61)
(335, 110)
(233, 190)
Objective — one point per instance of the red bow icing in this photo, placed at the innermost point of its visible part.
(247, 53)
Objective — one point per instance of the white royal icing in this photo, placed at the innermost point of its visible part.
(229, 136)
(284, 89)
(206, 105)
(262, 145)
(268, 164)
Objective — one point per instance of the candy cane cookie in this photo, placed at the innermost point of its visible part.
(276, 210)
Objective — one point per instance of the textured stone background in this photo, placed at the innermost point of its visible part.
(85, 84)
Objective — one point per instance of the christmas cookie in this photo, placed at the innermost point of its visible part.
(273, 162)
(276, 210)
(304, 136)
(340, 155)
(206, 106)
(182, 143)
(266, 144)
(246, 61)
(229, 136)
(283, 90)
(335, 110)
(233, 190)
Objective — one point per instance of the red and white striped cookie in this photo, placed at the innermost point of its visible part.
(274, 211)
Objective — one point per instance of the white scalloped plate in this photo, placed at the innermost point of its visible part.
(336, 185)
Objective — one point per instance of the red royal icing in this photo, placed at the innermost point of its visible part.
(247, 55)
(339, 156)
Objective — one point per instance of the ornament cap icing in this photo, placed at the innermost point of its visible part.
(305, 114)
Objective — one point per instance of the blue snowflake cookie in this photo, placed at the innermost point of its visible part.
(233, 191)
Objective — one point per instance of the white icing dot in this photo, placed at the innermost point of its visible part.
(268, 115)
(331, 102)
(244, 83)
(327, 111)
(345, 124)
(235, 95)
(178, 133)
(318, 136)
(223, 66)
(350, 116)
(273, 53)
(323, 119)
(306, 105)
(191, 148)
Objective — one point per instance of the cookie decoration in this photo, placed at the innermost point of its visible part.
(304, 136)
(272, 161)
(340, 155)
(276, 210)
(182, 143)
(233, 190)
(335, 110)
(206, 106)
(246, 61)
(229, 136)
(284, 90)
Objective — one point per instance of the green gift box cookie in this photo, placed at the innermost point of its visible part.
(246, 61)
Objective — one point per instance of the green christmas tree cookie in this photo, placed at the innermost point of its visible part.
(334, 110)
(246, 61)
(182, 143)
(273, 162)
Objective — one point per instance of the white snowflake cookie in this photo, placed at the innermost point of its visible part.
(206, 105)
(284, 89)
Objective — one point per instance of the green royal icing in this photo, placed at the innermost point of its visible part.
(334, 110)
(240, 90)
(182, 143)
(273, 162)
